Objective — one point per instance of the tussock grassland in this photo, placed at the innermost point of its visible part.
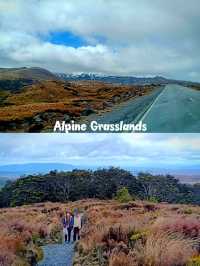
(24, 229)
(54, 99)
(140, 234)
(116, 234)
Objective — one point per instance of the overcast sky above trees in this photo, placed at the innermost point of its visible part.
(167, 151)
(129, 37)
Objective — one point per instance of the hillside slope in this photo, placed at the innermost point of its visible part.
(15, 79)
(32, 73)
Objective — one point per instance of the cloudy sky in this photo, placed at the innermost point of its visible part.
(129, 37)
(167, 151)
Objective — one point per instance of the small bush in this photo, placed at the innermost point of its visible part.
(165, 249)
(39, 253)
(138, 235)
(121, 259)
(187, 211)
(195, 261)
(123, 195)
(187, 226)
(153, 199)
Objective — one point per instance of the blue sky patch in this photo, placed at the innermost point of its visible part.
(67, 39)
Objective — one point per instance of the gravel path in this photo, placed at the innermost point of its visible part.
(57, 255)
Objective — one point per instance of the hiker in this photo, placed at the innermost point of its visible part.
(68, 222)
(77, 225)
(64, 223)
(70, 225)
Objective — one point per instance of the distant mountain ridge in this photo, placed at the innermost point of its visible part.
(30, 75)
(124, 80)
(33, 168)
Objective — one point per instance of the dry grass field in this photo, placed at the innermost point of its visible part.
(36, 107)
(115, 234)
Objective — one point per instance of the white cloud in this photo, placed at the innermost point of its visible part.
(141, 37)
(102, 149)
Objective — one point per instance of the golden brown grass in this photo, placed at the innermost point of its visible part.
(130, 234)
(72, 98)
(23, 229)
(142, 234)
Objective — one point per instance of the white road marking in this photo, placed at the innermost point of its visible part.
(154, 102)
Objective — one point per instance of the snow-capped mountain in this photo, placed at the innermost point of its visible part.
(80, 76)
(113, 79)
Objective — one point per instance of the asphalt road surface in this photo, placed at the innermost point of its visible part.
(176, 109)
(128, 111)
(170, 109)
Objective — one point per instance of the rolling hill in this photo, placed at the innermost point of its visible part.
(32, 73)
(14, 79)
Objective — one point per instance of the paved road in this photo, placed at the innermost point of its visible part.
(176, 109)
(57, 255)
(127, 111)
(173, 108)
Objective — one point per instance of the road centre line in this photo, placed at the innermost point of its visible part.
(154, 102)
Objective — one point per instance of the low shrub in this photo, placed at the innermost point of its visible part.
(195, 261)
(165, 249)
(123, 195)
(121, 259)
(187, 226)
(187, 211)
(139, 235)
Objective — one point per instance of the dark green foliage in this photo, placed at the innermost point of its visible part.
(102, 183)
(3, 97)
(14, 84)
(123, 195)
(159, 187)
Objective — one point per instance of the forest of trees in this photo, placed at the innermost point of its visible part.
(102, 183)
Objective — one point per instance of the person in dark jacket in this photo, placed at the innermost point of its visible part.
(68, 223)
(64, 223)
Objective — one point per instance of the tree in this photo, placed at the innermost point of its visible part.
(123, 195)
(159, 187)
(102, 184)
